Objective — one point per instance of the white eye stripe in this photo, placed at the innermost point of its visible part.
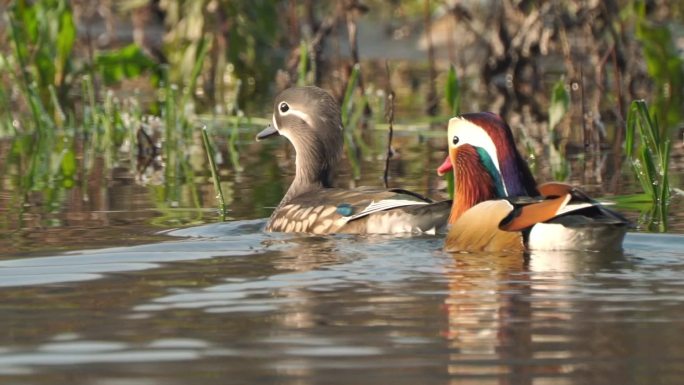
(300, 114)
(470, 133)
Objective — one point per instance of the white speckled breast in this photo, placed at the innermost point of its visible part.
(294, 218)
(366, 211)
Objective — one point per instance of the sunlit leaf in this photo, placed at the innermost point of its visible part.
(651, 161)
(449, 178)
(348, 94)
(65, 42)
(127, 62)
(560, 102)
(68, 163)
(303, 63)
(214, 172)
(452, 92)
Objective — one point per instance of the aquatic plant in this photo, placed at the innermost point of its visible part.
(125, 63)
(214, 173)
(241, 33)
(350, 119)
(560, 103)
(663, 63)
(41, 66)
(42, 35)
(306, 69)
(389, 116)
(452, 94)
(650, 161)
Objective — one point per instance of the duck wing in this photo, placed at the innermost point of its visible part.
(568, 217)
(478, 230)
(560, 203)
(570, 221)
(332, 210)
(400, 217)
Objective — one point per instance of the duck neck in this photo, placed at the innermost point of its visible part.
(515, 172)
(518, 176)
(314, 169)
(472, 183)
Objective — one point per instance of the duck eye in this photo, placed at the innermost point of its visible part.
(284, 107)
(454, 140)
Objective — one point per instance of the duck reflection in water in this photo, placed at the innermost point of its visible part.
(512, 315)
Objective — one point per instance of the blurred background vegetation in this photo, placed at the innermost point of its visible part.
(234, 53)
(96, 90)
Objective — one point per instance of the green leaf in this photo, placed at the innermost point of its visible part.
(644, 179)
(650, 168)
(631, 127)
(560, 102)
(69, 163)
(201, 54)
(30, 19)
(214, 172)
(127, 62)
(452, 91)
(347, 101)
(65, 42)
(449, 178)
(303, 63)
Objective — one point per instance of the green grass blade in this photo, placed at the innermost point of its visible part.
(203, 49)
(452, 92)
(59, 116)
(232, 146)
(650, 174)
(20, 52)
(560, 103)
(214, 173)
(651, 162)
(449, 178)
(65, 42)
(303, 68)
(631, 127)
(348, 94)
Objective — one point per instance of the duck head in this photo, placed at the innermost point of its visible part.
(310, 119)
(485, 162)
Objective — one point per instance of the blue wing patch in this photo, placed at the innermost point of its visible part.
(345, 209)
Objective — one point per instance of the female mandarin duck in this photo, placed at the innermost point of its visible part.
(493, 208)
(310, 119)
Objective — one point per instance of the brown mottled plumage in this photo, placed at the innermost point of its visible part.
(310, 119)
(317, 212)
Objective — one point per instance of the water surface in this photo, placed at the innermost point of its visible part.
(117, 282)
(227, 303)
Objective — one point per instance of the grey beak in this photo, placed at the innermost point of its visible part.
(266, 132)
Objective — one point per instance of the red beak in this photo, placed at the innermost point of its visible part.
(445, 167)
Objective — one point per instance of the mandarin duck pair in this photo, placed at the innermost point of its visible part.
(497, 204)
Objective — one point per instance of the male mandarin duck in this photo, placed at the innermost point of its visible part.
(498, 205)
(310, 119)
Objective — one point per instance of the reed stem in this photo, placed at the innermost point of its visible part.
(214, 174)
